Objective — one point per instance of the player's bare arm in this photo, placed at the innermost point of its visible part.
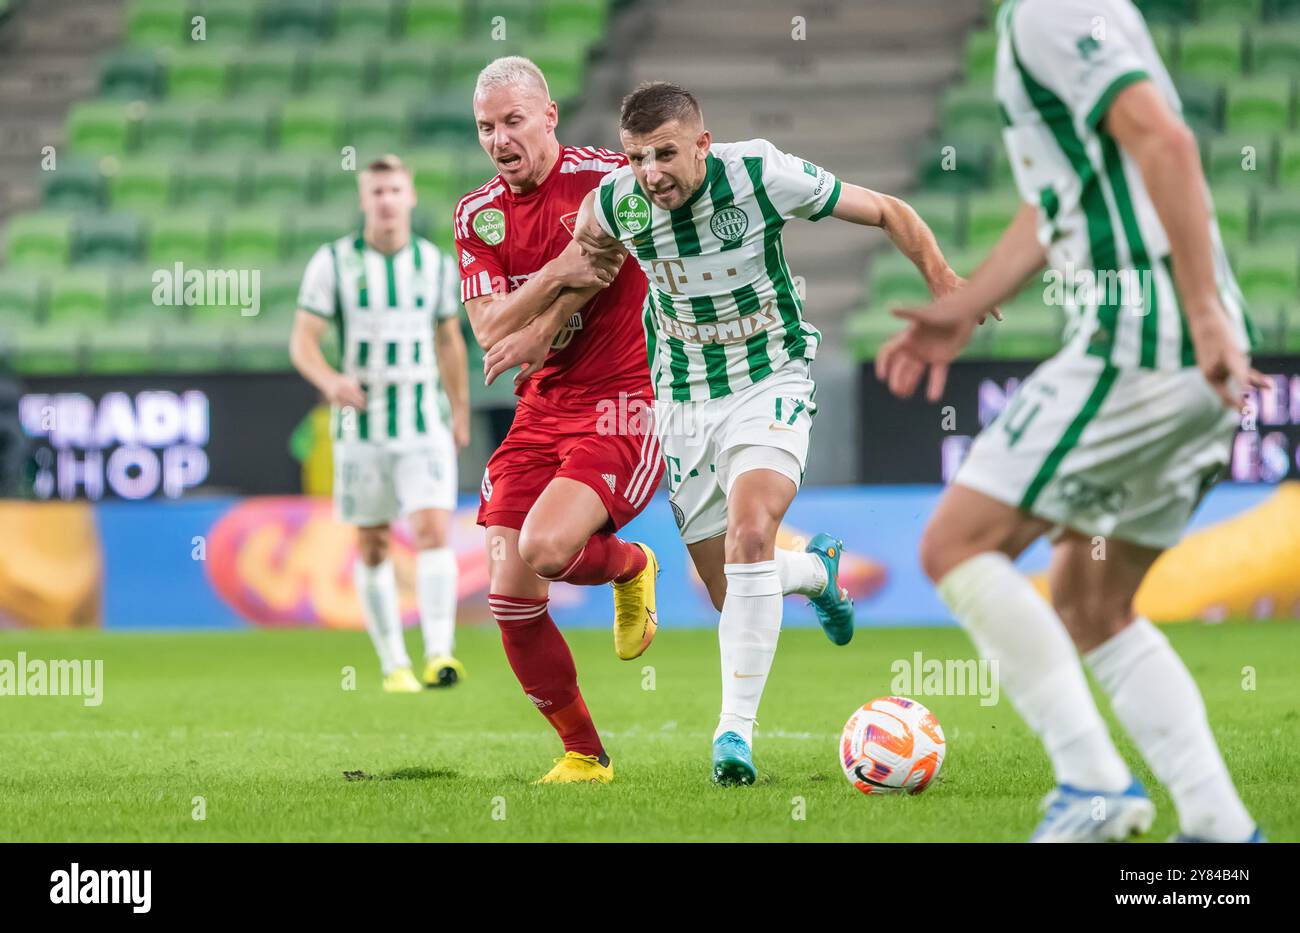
(307, 358)
(910, 234)
(453, 367)
(1167, 155)
(495, 316)
(588, 233)
(939, 331)
(528, 347)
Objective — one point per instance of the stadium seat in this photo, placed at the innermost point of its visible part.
(1289, 163)
(230, 22)
(1029, 328)
(368, 21)
(22, 295)
(868, 330)
(1202, 105)
(954, 165)
(199, 74)
(1279, 217)
(293, 21)
(101, 127)
(250, 237)
(310, 125)
(462, 63)
(1289, 339)
(1167, 11)
(338, 185)
(436, 172)
(107, 238)
(1166, 42)
(213, 181)
(376, 127)
(981, 57)
(81, 294)
(511, 20)
(446, 119)
(988, 215)
(1282, 9)
(1234, 210)
(406, 71)
(284, 180)
(1269, 274)
(895, 281)
(1234, 11)
(1211, 52)
(944, 217)
(269, 71)
(156, 22)
(181, 236)
(1275, 50)
(582, 20)
(311, 229)
(1231, 159)
(970, 113)
(168, 127)
(236, 127)
(75, 184)
(563, 61)
(39, 240)
(342, 71)
(437, 20)
(141, 184)
(1259, 106)
(130, 74)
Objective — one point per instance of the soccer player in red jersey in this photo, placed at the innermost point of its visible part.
(581, 458)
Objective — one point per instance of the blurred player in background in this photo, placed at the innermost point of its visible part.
(1110, 443)
(731, 360)
(561, 484)
(390, 298)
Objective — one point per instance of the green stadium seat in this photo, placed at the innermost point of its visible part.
(368, 20)
(39, 240)
(1269, 274)
(1211, 52)
(230, 22)
(981, 57)
(1166, 42)
(293, 21)
(131, 74)
(1270, 322)
(287, 180)
(563, 61)
(1279, 217)
(311, 125)
(156, 22)
(894, 282)
(251, 238)
(1259, 106)
(1289, 163)
(181, 236)
(75, 184)
(1275, 51)
(81, 295)
(437, 20)
(236, 127)
(270, 71)
(1029, 328)
(1234, 11)
(377, 126)
(576, 19)
(868, 330)
(1202, 105)
(338, 185)
(213, 181)
(406, 71)
(142, 184)
(436, 172)
(1282, 9)
(200, 74)
(1290, 337)
(101, 127)
(1230, 161)
(970, 113)
(1167, 11)
(987, 217)
(311, 229)
(944, 217)
(168, 127)
(22, 296)
(1233, 206)
(344, 71)
(107, 238)
(446, 119)
(953, 165)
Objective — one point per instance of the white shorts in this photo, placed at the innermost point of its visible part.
(1125, 453)
(707, 444)
(375, 483)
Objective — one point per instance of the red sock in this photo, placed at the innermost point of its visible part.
(602, 559)
(542, 662)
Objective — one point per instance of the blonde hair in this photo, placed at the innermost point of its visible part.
(509, 71)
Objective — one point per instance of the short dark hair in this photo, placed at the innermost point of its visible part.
(654, 103)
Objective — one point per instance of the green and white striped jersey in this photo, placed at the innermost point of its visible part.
(384, 309)
(722, 311)
(1060, 64)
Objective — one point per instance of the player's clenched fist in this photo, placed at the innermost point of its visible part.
(344, 390)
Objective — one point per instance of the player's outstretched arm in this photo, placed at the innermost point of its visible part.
(904, 226)
(528, 347)
(589, 234)
(453, 367)
(1169, 160)
(307, 358)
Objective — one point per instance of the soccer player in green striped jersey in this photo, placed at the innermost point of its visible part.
(730, 357)
(1108, 446)
(400, 410)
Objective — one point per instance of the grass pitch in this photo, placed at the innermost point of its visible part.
(259, 725)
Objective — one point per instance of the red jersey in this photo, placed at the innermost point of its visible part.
(503, 238)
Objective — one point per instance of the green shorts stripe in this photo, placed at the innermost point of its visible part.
(1070, 439)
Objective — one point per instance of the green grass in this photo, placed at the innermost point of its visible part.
(258, 724)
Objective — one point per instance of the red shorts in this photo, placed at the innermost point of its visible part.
(623, 467)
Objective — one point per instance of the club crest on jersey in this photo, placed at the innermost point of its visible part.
(729, 224)
(633, 213)
(570, 222)
(490, 225)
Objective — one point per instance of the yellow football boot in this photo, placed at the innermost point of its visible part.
(635, 617)
(402, 680)
(574, 768)
(443, 671)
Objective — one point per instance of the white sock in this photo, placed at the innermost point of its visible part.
(747, 635)
(1154, 696)
(802, 574)
(377, 589)
(1037, 666)
(435, 591)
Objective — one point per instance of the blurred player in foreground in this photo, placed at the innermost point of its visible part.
(731, 362)
(1110, 444)
(567, 477)
(390, 297)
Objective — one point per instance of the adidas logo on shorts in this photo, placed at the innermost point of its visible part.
(610, 480)
(486, 487)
